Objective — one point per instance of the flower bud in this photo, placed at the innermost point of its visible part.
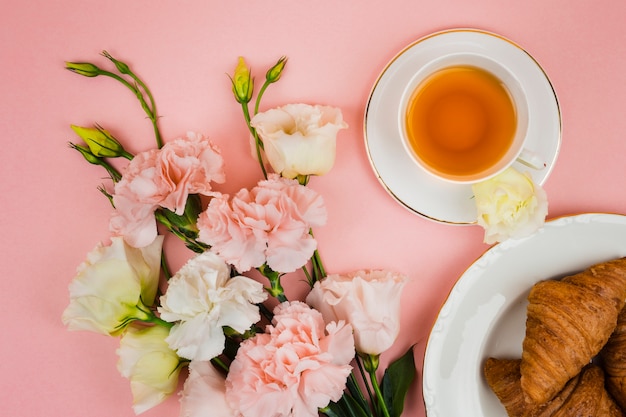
(121, 66)
(86, 153)
(83, 68)
(274, 73)
(101, 143)
(243, 84)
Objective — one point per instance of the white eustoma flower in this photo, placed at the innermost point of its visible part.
(151, 366)
(299, 139)
(510, 205)
(113, 287)
(201, 299)
(368, 300)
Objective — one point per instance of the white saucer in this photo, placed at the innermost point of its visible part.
(406, 182)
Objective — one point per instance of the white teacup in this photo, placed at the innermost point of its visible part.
(464, 119)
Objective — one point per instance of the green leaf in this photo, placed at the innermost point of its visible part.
(356, 393)
(332, 410)
(396, 382)
(347, 406)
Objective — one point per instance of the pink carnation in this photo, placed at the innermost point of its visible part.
(297, 367)
(268, 224)
(163, 178)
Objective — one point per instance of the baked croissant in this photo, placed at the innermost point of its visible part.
(582, 396)
(567, 324)
(614, 361)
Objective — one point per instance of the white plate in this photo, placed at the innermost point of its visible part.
(407, 183)
(485, 313)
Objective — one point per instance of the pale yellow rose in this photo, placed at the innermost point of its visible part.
(510, 205)
(368, 300)
(299, 139)
(150, 365)
(113, 287)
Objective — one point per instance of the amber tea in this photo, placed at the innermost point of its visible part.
(461, 121)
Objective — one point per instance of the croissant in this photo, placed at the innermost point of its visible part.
(613, 357)
(567, 324)
(583, 395)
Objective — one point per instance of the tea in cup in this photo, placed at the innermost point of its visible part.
(464, 119)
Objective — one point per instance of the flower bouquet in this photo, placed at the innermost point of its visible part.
(211, 321)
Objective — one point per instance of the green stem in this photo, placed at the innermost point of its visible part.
(307, 275)
(257, 142)
(165, 267)
(150, 111)
(220, 363)
(265, 311)
(150, 317)
(159, 321)
(371, 365)
(319, 272)
(362, 371)
(276, 289)
(258, 97)
(113, 173)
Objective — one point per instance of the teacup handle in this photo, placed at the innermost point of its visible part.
(531, 160)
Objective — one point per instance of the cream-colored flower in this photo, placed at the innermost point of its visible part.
(299, 139)
(368, 300)
(151, 366)
(202, 298)
(113, 287)
(510, 205)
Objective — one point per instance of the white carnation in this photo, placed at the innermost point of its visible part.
(201, 299)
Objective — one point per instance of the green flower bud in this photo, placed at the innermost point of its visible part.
(243, 84)
(86, 153)
(83, 68)
(93, 159)
(274, 73)
(101, 143)
(121, 67)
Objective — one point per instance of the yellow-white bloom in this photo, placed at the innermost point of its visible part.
(299, 139)
(113, 286)
(150, 365)
(510, 205)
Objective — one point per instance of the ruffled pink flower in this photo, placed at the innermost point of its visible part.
(297, 367)
(163, 178)
(368, 300)
(268, 224)
(204, 393)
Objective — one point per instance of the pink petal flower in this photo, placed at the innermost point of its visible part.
(204, 393)
(163, 178)
(187, 166)
(267, 224)
(297, 367)
(368, 300)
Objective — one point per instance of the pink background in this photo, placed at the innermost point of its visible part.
(52, 214)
